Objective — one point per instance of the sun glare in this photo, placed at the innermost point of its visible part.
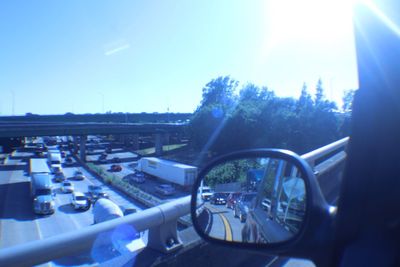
(307, 20)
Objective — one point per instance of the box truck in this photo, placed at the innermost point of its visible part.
(173, 172)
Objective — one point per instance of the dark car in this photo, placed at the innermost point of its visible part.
(115, 168)
(116, 160)
(165, 190)
(96, 191)
(68, 160)
(59, 177)
(232, 199)
(39, 154)
(134, 178)
(243, 205)
(219, 198)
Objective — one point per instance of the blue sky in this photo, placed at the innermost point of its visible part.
(148, 56)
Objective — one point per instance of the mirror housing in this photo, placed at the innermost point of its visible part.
(310, 240)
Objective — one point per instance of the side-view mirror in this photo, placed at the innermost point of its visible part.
(264, 199)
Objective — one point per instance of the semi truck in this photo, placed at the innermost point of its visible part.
(41, 187)
(173, 172)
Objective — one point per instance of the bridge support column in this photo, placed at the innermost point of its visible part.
(75, 144)
(158, 144)
(126, 138)
(82, 147)
(135, 142)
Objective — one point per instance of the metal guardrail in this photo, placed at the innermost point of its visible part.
(161, 221)
(313, 156)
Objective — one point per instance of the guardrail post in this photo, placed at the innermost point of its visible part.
(164, 237)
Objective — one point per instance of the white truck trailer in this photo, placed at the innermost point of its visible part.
(173, 172)
(38, 166)
(54, 160)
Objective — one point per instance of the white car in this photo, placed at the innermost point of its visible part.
(67, 187)
(206, 193)
(79, 201)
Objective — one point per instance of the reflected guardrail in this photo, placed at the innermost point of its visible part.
(161, 221)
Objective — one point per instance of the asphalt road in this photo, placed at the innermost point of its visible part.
(19, 224)
(223, 224)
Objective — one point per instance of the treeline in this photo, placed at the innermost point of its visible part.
(257, 118)
(108, 117)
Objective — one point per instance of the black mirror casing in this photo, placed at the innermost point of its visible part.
(314, 237)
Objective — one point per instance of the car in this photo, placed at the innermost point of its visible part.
(116, 159)
(67, 187)
(96, 191)
(68, 161)
(206, 193)
(232, 199)
(165, 190)
(40, 154)
(242, 206)
(102, 159)
(63, 154)
(56, 169)
(59, 177)
(219, 198)
(79, 201)
(115, 168)
(134, 178)
(78, 175)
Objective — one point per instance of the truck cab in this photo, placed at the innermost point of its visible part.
(42, 193)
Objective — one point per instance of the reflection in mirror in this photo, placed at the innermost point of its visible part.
(254, 200)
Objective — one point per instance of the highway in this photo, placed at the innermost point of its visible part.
(18, 223)
(223, 225)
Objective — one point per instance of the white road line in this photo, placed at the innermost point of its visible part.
(38, 229)
(272, 261)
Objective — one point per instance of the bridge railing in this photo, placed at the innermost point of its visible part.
(161, 221)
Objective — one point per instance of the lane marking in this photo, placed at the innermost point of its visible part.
(272, 261)
(38, 229)
(227, 226)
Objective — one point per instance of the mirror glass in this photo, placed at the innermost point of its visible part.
(253, 200)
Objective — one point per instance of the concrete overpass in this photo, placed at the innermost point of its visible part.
(161, 131)
(78, 129)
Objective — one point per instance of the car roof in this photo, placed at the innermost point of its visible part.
(78, 194)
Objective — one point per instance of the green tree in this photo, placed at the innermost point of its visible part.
(347, 98)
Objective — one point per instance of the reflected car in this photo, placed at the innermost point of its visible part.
(219, 198)
(79, 201)
(67, 187)
(242, 206)
(206, 193)
(78, 175)
(165, 190)
(232, 199)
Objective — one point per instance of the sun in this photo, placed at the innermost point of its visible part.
(307, 20)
